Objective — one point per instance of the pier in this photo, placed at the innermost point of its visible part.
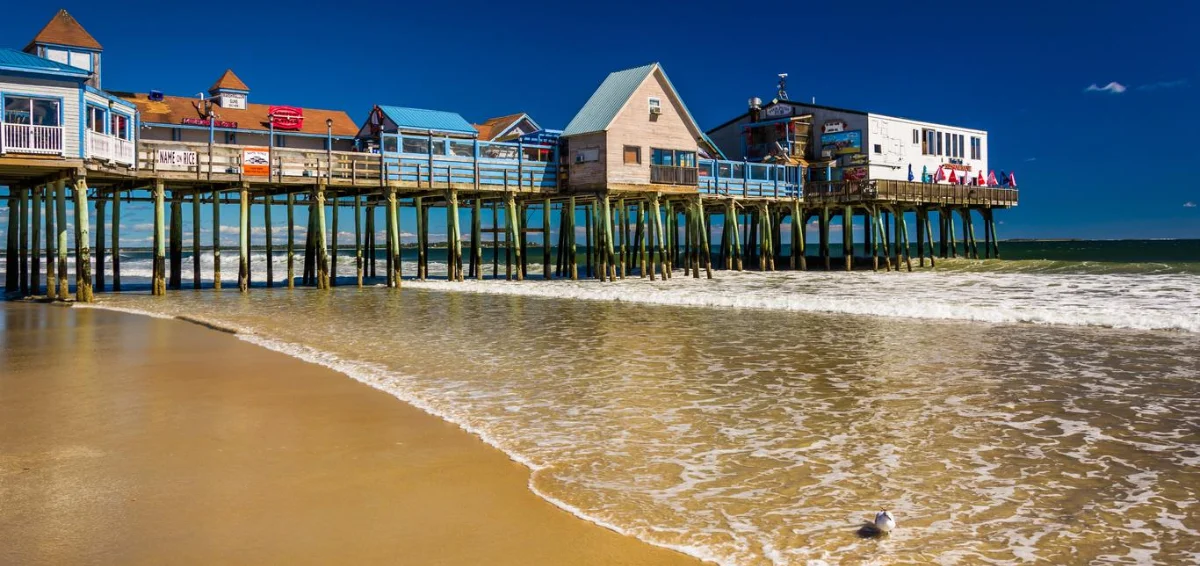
(632, 188)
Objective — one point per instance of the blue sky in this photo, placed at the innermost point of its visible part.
(1102, 163)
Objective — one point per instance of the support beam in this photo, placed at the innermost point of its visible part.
(158, 284)
(244, 238)
(333, 240)
(83, 266)
(546, 239)
(477, 236)
(195, 240)
(176, 243)
(422, 237)
(100, 244)
(52, 242)
(269, 240)
(12, 250)
(23, 236)
(322, 244)
(35, 253)
(393, 221)
(848, 237)
(358, 248)
(216, 238)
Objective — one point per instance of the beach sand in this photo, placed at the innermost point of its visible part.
(132, 440)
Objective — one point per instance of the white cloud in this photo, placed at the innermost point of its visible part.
(1030, 159)
(1162, 85)
(1112, 88)
(1189, 204)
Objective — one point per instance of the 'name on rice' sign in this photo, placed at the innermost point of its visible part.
(176, 158)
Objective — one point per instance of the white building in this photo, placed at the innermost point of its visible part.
(850, 144)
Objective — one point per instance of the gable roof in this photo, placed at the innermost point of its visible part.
(493, 128)
(173, 109)
(604, 105)
(422, 119)
(228, 81)
(62, 29)
(13, 60)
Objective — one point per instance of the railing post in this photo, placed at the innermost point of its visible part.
(520, 163)
(475, 162)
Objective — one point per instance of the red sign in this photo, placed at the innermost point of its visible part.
(205, 122)
(286, 117)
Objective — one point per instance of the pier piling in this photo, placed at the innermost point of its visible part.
(158, 283)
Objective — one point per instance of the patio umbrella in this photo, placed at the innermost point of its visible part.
(910, 173)
(1012, 180)
(953, 178)
(980, 180)
(1003, 178)
(991, 180)
(940, 175)
(924, 173)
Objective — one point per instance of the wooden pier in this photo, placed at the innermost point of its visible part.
(632, 188)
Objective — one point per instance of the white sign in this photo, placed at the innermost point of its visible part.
(780, 110)
(833, 126)
(176, 157)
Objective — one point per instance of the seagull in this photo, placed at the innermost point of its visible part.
(884, 521)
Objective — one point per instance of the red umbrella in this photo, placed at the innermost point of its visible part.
(940, 175)
(980, 181)
(991, 181)
(1012, 180)
(953, 178)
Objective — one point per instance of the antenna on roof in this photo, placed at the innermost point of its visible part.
(783, 86)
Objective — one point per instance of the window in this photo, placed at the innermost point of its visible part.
(878, 148)
(929, 142)
(671, 157)
(633, 155)
(120, 126)
(940, 137)
(587, 155)
(231, 138)
(655, 105)
(30, 111)
(976, 148)
(96, 117)
(81, 60)
(916, 137)
(58, 56)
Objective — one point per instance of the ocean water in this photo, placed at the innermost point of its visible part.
(1005, 411)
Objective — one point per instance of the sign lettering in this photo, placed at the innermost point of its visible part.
(286, 117)
(833, 126)
(256, 161)
(205, 122)
(172, 157)
(780, 110)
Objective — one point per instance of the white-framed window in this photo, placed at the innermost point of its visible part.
(916, 136)
(96, 116)
(655, 105)
(878, 149)
(121, 127)
(587, 155)
(59, 56)
(976, 148)
(31, 110)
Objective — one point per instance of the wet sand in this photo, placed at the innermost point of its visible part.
(132, 440)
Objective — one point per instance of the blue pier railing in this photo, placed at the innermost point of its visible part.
(744, 179)
(444, 162)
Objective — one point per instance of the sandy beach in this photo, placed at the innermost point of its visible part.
(134, 440)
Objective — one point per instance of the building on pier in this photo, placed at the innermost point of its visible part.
(506, 128)
(226, 116)
(53, 105)
(636, 133)
(852, 145)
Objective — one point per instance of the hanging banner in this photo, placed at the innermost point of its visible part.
(841, 143)
(256, 162)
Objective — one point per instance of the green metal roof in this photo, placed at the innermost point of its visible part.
(606, 102)
(13, 60)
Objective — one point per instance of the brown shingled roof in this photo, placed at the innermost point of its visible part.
(492, 127)
(229, 81)
(64, 30)
(173, 109)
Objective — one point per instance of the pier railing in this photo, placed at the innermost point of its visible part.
(109, 148)
(28, 138)
(235, 162)
(437, 162)
(673, 175)
(739, 178)
(836, 192)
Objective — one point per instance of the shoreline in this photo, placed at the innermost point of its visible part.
(546, 530)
